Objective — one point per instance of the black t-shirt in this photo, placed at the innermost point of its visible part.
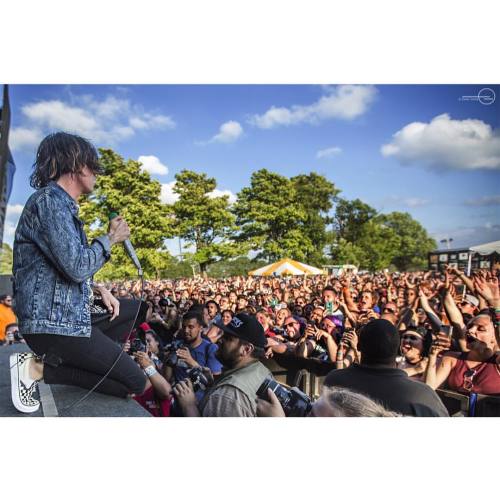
(392, 388)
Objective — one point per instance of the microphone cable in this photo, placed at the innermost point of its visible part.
(85, 396)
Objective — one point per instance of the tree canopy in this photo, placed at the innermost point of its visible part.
(202, 220)
(376, 241)
(281, 217)
(275, 217)
(126, 189)
(6, 259)
(316, 195)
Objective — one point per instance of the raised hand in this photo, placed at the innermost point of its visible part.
(488, 290)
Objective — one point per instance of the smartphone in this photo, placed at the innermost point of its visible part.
(329, 307)
(446, 330)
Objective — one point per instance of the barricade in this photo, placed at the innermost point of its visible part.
(309, 374)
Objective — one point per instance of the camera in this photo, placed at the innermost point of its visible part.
(278, 331)
(171, 358)
(294, 402)
(137, 345)
(198, 379)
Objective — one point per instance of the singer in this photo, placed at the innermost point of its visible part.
(53, 288)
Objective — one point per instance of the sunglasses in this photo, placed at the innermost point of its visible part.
(289, 324)
(468, 384)
(411, 338)
(389, 310)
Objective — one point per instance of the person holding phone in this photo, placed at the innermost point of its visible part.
(473, 371)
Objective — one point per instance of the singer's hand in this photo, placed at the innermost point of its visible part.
(118, 230)
(112, 304)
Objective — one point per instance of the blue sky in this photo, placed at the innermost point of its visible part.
(426, 149)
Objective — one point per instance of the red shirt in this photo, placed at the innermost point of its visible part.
(486, 378)
(157, 408)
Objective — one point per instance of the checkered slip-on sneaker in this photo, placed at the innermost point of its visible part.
(22, 385)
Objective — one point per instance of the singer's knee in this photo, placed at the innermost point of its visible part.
(137, 383)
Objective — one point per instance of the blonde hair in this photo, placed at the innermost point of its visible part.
(347, 403)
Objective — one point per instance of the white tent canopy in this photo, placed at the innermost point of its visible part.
(487, 248)
(286, 267)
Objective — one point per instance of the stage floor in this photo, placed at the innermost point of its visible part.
(56, 398)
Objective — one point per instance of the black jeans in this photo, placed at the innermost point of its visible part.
(83, 361)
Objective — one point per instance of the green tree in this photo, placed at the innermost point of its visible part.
(233, 267)
(204, 221)
(271, 219)
(350, 216)
(6, 259)
(345, 252)
(125, 189)
(414, 242)
(379, 244)
(316, 195)
(179, 268)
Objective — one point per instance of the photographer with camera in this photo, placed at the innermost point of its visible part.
(12, 335)
(333, 402)
(234, 393)
(188, 352)
(157, 394)
(318, 342)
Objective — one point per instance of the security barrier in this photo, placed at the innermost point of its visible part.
(309, 374)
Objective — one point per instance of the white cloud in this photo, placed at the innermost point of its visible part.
(24, 137)
(485, 201)
(106, 122)
(138, 123)
(152, 165)
(148, 121)
(447, 143)
(109, 107)
(61, 116)
(226, 192)
(14, 211)
(169, 197)
(328, 152)
(159, 121)
(167, 193)
(416, 202)
(11, 219)
(411, 202)
(228, 132)
(344, 102)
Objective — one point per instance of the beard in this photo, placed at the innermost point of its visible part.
(224, 359)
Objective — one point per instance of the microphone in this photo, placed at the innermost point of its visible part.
(129, 248)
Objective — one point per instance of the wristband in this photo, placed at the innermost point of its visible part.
(150, 370)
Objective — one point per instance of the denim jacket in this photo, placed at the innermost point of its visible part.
(53, 265)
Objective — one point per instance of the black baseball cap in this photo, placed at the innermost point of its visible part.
(245, 327)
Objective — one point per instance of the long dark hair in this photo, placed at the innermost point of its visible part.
(60, 154)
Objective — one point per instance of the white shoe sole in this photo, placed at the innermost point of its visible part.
(14, 387)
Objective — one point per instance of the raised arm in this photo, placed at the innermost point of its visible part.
(424, 302)
(434, 376)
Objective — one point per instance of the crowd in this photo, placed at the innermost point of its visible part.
(393, 339)
(384, 341)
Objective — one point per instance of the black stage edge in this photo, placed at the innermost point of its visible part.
(96, 405)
